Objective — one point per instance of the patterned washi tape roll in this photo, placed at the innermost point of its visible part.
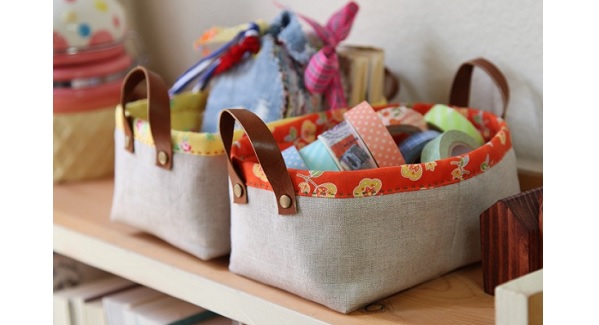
(317, 157)
(448, 144)
(446, 118)
(293, 159)
(401, 115)
(346, 148)
(402, 122)
(374, 134)
(412, 147)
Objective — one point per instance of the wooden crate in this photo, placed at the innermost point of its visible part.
(511, 238)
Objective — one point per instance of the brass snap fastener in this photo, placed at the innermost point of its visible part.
(237, 190)
(285, 201)
(162, 158)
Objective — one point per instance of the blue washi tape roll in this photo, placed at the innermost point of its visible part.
(317, 157)
(412, 146)
(293, 159)
(448, 144)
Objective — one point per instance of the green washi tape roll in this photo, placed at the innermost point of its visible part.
(446, 118)
(448, 144)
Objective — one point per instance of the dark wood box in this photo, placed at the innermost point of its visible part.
(511, 238)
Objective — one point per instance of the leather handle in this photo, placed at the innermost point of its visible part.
(393, 82)
(269, 157)
(159, 113)
(460, 89)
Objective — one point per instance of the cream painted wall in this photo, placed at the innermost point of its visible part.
(425, 42)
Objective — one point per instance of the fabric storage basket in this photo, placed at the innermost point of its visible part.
(346, 239)
(170, 179)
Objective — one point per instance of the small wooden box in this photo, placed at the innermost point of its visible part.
(511, 238)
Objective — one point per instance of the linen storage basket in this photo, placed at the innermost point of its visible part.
(346, 239)
(184, 201)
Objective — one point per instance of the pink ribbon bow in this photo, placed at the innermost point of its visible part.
(322, 74)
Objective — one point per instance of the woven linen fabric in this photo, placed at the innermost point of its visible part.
(83, 145)
(346, 253)
(186, 206)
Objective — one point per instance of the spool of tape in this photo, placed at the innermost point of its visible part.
(374, 134)
(346, 148)
(293, 159)
(400, 133)
(317, 157)
(448, 144)
(446, 118)
(402, 116)
(411, 147)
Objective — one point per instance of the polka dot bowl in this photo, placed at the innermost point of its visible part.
(87, 30)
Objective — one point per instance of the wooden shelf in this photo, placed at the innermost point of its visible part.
(83, 231)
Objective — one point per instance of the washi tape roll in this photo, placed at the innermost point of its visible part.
(292, 158)
(446, 118)
(411, 148)
(374, 134)
(402, 116)
(317, 157)
(346, 148)
(400, 133)
(448, 144)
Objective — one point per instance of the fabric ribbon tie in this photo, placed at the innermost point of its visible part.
(222, 59)
(322, 74)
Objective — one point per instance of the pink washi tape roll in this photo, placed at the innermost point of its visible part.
(346, 147)
(375, 135)
(402, 122)
(401, 115)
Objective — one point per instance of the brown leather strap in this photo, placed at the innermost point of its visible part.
(267, 151)
(159, 114)
(460, 89)
(391, 84)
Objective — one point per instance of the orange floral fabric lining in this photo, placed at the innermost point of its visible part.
(378, 181)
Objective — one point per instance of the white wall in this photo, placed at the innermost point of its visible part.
(425, 42)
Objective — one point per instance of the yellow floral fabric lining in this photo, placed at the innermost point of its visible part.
(187, 110)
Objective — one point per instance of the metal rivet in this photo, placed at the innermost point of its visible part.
(237, 190)
(162, 158)
(285, 201)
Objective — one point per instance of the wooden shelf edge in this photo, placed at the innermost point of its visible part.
(175, 282)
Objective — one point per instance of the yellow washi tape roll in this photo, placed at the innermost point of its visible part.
(446, 118)
(449, 144)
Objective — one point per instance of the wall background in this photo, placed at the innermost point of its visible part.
(425, 42)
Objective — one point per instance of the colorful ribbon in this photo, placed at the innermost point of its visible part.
(322, 74)
(220, 60)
